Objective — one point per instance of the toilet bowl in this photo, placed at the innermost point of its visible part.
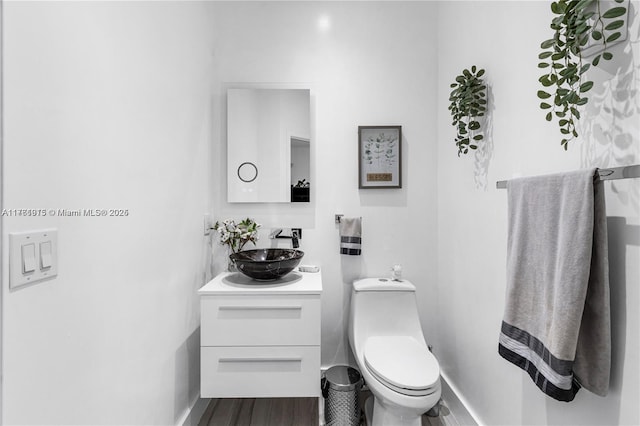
(387, 340)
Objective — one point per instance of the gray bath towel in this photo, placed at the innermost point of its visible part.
(351, 236)
(556, 324)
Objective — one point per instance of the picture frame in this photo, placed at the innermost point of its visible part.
(379, 157)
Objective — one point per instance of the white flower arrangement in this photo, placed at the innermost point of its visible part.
(236, 236)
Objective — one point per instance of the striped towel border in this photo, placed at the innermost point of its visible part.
(553, 376)
(350, 245)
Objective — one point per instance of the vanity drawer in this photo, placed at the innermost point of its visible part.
(255, 372)
(260, 320)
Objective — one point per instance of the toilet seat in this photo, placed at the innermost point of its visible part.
(402, 364)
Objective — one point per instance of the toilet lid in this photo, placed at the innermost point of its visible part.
(402, 362)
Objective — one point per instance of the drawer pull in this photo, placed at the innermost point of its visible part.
(260, 360)
(260, 312)
(260, 308)
(260, 365)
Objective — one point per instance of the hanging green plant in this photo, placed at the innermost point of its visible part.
(576, 22)
(468, 102)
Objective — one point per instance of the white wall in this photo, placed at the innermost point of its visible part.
(107, 105)
(375, 65)
(300, 157)
(504, 37)
(2, 249)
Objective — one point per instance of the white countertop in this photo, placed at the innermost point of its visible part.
(236, 283)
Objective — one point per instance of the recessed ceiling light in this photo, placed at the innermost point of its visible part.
(324, 23)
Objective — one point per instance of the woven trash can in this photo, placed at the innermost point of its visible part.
(341, 391)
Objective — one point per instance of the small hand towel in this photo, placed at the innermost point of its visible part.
(351, 236)
(556, 323)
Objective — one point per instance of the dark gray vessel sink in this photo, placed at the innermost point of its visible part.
(267, 264)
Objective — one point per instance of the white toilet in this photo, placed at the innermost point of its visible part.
(386, 337)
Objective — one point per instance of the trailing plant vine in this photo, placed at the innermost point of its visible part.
(468, 102)
(564, 80)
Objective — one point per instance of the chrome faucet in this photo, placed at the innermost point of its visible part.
(296, 234)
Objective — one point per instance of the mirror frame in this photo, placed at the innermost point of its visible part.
(280, 122)
(269, 215)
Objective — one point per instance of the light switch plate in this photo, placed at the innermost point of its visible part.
(17, 276)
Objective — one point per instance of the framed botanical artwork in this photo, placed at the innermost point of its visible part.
(379, 152)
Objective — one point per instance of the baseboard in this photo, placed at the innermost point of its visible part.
(457, 404)
(194, 413)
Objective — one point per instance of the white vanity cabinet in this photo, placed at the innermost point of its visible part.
(260, 340)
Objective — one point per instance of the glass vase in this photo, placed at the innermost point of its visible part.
(231, 266)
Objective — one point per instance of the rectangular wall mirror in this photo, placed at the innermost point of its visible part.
(268, 145)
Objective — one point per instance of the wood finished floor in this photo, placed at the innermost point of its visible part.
(285, 412)
(444, 419)
(261, 412)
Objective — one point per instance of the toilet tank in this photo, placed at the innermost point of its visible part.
(383, 308)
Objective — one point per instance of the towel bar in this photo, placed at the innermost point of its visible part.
(612, 173)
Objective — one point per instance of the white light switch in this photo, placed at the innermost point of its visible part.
(28, 258)
(33, 256)
(45, 255)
